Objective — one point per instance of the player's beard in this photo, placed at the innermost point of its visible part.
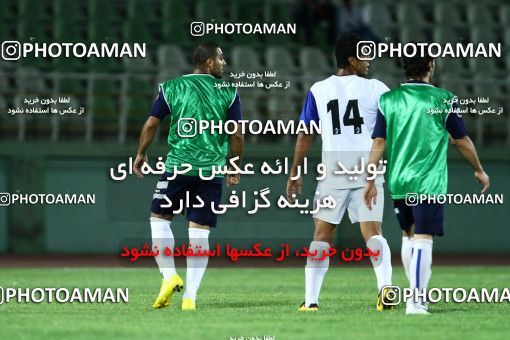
(363, 74)
(217, 72)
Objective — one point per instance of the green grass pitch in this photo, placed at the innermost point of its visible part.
(250, 303)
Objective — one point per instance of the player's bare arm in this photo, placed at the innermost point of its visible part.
(376, 154)
(146, 137)
(236, 145)
(468, 150)
(302, 145)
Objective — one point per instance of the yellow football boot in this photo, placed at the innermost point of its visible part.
(312, 308)
(168, 288)
(382, 300)
(188, 304)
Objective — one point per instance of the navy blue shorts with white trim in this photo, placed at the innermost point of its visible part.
(175, 190)
(428, 218)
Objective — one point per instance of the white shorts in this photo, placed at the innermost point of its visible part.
(353, 200)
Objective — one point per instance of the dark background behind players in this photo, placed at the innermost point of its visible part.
(73, 154)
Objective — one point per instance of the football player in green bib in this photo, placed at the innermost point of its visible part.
(412, 126)
(187, 100)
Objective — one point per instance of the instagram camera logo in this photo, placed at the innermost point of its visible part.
(365, 50)
(11, 50)
(187, 127)
(197, 29)
(411, 199)
(5, 199)
(392, 295)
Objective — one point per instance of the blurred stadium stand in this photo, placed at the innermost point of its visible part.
(118, 94)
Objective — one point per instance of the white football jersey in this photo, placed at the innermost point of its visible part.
(347, 109)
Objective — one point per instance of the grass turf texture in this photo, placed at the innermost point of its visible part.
(251, 302)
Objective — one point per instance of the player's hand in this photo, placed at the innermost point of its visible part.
(450, 138)
(483, 178)
(233, 179)
(370, 194)
(137, 165)
(294, 187)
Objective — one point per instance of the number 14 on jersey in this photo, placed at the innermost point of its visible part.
(351, 116)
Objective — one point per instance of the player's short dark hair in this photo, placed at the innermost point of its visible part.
(204, 51)
(345, 48)
(417, 66)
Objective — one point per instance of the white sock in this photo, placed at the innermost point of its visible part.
(196, 264)
(406, 253)
(421, 263)
(315, 271)
(163, 237)
(381, 263)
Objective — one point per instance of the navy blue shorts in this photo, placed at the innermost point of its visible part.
(427, 218)
(175, 190)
